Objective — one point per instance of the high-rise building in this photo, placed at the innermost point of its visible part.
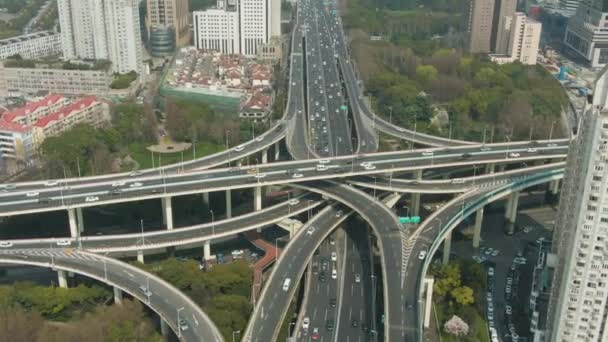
(523, 41)
(578, 305)
(586, 33)
(172, 14)
(501, 24)
(479, 26)
(102, 29)
(569, 5)
(237, 26)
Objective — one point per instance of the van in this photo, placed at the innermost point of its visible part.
(286, 284)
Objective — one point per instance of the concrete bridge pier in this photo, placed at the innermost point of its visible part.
(76, 222)
(206, 198)
(257, 201)
(490, 168)
(207, 250)
(511, 213)
(428, 300)
(265, 156)
(554, 187)
(277, 150)
(167, 212)
(477, 228)
(502, 167)
(228, 203)
(80, 220)
(63, 280)
(447, 247)
(415, 206)
(140, 257)
(117, 295)
(164, 328)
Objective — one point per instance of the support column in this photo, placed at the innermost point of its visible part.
(207, 250)
(73, 222)
(554, 187)
(257, 198)
(167, 212)
(164, 328)
(140, 256)
(206, 198)
(501, 167)
(428, 302)
(511, 213)
(228, 203)
(80, 220)
(490, 168)
(415, 205)
(447, 246)
(477, 229)
(117, 295)
(514, 203)
(264, 156)
(277, 150)
(63, 281)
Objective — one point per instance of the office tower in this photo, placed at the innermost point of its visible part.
(237, 26)
(479, 26)
(578, 301)
(503, 11)
(524, 39)
(102, 29)
(218, 28)
(569, 5)
(172, 14)
(586, 32)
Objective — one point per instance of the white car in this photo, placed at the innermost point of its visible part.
(532, 150)
(324, 161)
(64, 242)
(321, 167)
(334, 256)
(305, 323)
(32, 194)
(135, 185)
(294, 201)
(357, 278)
(260, 138)
(135, 173)
(428, 153)
(239, 148)
(260, 175)
(491, 271)
(370, 167)
(297, 175)
(91, 199)
(513, 155)
(334, 274)
(119, 183)
(310, 230)
(422, 255)
(401, 129)
(51, 183)
(551, 145)
(508, 309)
(6, 244)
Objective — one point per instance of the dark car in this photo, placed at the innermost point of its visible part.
(466, 155)
(365, 328)
(322, 277)
(315, 270)
(354, 323)
(333, 302)
(329, 325)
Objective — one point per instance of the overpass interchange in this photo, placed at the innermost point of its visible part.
(175, 181)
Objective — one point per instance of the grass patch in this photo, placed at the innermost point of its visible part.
(141, 155)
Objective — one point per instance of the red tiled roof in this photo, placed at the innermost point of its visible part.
(66, 111)
(258, 100)
(13, 127)
(32, 107)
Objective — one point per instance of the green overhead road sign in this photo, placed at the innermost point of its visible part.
(407, 219)
(343, 107)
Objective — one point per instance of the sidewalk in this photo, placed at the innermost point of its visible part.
(270, 254)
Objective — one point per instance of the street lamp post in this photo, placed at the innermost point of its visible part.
(141, 224)
(551, 131)
(179, 328)
(390, 116)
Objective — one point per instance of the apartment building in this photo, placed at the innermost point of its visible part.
(238, 26)
(523, 42)
(578, 305)
(24, 129)
(172, 15)
(31, 46)
(19, 81)
(501, 25)
(479, 26)
(102, 29)
(586, 34)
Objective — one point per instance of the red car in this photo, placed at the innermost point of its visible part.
(315, 334)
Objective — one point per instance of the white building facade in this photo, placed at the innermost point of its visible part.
(586, 33)
(523, 42)
(102, 29)
(237, 26)
(31, 46)
(578, 302)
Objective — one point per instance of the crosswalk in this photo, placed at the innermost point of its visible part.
(52, 253)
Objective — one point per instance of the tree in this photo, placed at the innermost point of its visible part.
(447, 277)
(426, 73)
(19, 325)
(463, 295)
(456, 326)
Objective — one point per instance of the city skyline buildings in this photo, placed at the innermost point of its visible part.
(586, 33)
(172, 13)
(102, 29)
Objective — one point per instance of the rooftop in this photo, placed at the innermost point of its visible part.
(25, 37)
